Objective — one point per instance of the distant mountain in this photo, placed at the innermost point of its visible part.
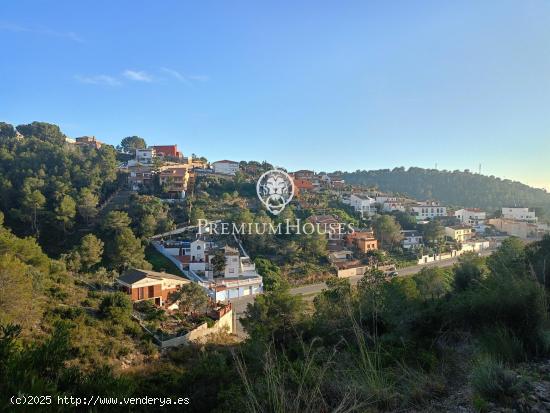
(454, 188)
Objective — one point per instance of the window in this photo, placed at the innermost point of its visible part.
(140, 293)
(151, 292)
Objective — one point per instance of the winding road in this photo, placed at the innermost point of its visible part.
(310, 290)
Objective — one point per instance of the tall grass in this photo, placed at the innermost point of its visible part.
(371, 375)
(289, 386)
(491, 380)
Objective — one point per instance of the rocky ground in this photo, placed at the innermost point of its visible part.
(534, 394)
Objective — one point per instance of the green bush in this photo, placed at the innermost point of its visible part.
(116, 306)
(502, 344)
(492, 381)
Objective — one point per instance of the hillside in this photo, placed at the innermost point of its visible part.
(453, 188)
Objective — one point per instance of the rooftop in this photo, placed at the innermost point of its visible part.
(134, 275)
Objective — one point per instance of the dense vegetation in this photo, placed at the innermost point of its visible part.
(49, 188)
(380, 345)
(455, 188)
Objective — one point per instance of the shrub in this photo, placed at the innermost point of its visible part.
(502, 344)
(116, 306)
(492, 381)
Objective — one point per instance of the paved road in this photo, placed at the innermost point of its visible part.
(310, 290)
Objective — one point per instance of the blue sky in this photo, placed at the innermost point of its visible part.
(311, 84)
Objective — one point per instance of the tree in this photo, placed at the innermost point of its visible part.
(131, 143)
(87, 203)
(115, 222)
(33, 201)
(433, 231)
(538, 257)
(127, 251)
(275, 315)
(116, 306)
(6, 131)
(387, 230)
(46, 132)
(431, 283)
(509, 259)
(147, 226)
(195, 215)
(66, 211)
(313, 245)
(271, 274)
(407, 221)
(468, 272)
(218, 262)
(191, 298)
(90, 251)
(15, 291)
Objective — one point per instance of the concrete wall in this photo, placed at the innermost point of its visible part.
(351, 272)
(466, 247)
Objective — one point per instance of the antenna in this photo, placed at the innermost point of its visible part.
(480, 169)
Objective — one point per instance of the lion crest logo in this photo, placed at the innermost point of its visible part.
(275, 189)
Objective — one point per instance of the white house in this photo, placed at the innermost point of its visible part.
(381, 199)
(428, 210)
(390, 206)
(411, 239)
(239, 277)
(519, 214)
(145, 156)
(471, 216)
(225, 167)
(363, 204)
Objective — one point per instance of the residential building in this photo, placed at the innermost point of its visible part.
(458, 233)
(412, 239)
(327, 224)
(363, 240)
(150, 285)
(239, 277)
(363, 204)
(381, 199)
(88, 141)
(337, 182)
(225, 167)
(346, 269)
(145, 155)
(301, 185)
(175, 181)
(390, 206)
(471, 216)
(521, 229)
(139, 176)
(519, 214)
(428, 210)
(170, 151)
(303, 174)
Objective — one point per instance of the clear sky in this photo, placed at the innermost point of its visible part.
(322, 85)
